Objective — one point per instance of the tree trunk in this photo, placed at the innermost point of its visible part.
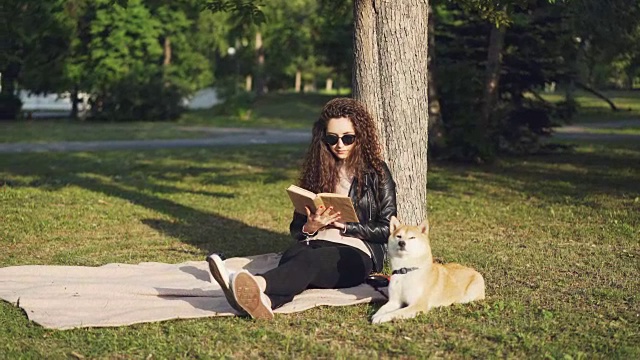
(492, 74)
(390, 78)
(74, 102)
(8, 77)
(598, 94)
(328, 84)
(167, 52)
(259, 65)
(248, 83)
(436, 125)
(298, 84)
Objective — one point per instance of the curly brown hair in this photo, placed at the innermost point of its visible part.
(320, 169)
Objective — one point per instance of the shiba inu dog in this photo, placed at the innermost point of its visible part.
(417, 283)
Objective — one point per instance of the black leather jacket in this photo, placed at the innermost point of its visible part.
(375, 207)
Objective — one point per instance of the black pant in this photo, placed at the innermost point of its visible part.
(320, 264)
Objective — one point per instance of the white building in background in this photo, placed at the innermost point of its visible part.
(202, 99)
(52, 102)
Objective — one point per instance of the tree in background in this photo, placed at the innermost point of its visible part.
(607, 33)
(288, 44)
(143, 58)
(333, 40)
(34, 36)
(137, 58)
(486, 113)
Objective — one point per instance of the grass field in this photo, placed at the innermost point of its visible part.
(282, 111)
(594, 110)
(556, 237)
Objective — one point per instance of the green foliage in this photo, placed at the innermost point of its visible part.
(537, 51)
(245, 13)
(35, 42)
(608, 34)
(235, 102)
(288, 41)
(141, 60)
(124, 44)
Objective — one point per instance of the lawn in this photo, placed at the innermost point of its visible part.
(276, 110)
(556, 238)
(594, 110)
(279, 111)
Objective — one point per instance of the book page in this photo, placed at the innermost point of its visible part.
(301, 198)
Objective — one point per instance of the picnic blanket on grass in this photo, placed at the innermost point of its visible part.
(65, 297)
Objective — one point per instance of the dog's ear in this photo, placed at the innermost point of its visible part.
(393, 224)
(424, 227)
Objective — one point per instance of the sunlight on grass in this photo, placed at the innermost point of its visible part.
(556, 238)
(279, 111)
(592, 109)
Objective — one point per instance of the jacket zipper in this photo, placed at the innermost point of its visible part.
(370, 199)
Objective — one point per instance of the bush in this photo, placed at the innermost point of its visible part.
(132, 100)
(235, 101)
(10, 106)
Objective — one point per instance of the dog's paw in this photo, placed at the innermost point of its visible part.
(382, 318)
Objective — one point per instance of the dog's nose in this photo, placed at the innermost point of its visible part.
(401, 243)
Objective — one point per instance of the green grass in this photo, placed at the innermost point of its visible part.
(556, 238)
(594, 110)
(275, 110)
(279, 111)
(49, 130)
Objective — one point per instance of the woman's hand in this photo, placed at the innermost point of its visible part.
(323, 217)
(339, 225)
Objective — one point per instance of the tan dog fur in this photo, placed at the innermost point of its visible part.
(431, 285)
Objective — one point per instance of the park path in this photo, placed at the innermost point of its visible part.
(230, 137)
(222, 137)
(584, 131)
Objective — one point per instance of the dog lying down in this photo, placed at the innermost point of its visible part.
(417, 283)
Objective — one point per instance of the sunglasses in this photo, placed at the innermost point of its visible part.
(332, 139)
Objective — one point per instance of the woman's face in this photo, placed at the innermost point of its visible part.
(340, 137)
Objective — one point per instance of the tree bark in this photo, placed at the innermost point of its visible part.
(74, 102)
(492, 75)
(167, 52)
(390, 78)
(8, 77)
(259, 78)
(248, 83)
(366, 72)
(298, 84)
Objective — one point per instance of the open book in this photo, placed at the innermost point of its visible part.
(341, 203)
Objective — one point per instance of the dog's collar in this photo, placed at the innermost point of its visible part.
(403, 270)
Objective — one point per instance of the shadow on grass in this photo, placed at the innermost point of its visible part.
(150, 179)
(596, 168)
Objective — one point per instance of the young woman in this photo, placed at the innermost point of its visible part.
(344, 157)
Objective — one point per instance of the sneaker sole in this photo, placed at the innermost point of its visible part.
(248, 293)
(214, 267)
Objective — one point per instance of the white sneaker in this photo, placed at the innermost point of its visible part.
(248, 295)
(221, 276)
